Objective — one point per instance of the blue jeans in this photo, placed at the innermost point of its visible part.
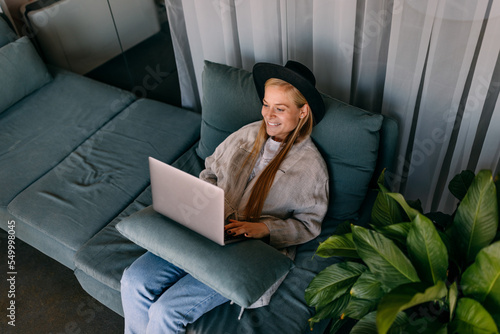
(160, 298)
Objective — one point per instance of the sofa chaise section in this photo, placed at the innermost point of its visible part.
(44, 127)
(95, 182)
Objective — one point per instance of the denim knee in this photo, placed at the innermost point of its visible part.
(162, 315)
(130, 279)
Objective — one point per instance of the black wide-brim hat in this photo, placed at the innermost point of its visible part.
(296, 74)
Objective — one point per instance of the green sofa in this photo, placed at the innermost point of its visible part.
(74, 166)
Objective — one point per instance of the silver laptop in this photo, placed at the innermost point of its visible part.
(190, 201)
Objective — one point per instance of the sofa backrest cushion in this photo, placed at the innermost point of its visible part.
(7, 35)
(22, 71)
(229, 102)
(347, 137)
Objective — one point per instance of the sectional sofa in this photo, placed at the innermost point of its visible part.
(74, 167)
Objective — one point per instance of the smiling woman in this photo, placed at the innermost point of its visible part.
(281, 116)
(277, 193)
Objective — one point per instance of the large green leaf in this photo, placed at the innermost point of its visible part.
(472, 318)
(368, 325)
(410, 212)
(403, 297)
(367, 287)
(476, 220)
(381, 182)
(358, 308)
(365, 293)
(385, 211)
(459, 185)
(383, 257)
(481, 280)
(338, 245)
(336, 324)
(331, 310)
(452, 298)
(427, 251)
(332, 282)
(397, 232)
(497, 186)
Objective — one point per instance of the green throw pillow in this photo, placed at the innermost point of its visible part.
(240, 271)
(7, 35)
(348, 139)
(22, 71)
(229, 102)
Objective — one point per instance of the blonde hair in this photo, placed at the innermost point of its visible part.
(253, 208)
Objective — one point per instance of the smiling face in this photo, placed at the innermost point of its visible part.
(280, 113)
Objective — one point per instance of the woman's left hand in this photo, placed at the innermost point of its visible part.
(249, 230)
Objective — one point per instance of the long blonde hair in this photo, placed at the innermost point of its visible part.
(253, 209)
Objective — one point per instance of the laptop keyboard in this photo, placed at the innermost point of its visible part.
(231, 237)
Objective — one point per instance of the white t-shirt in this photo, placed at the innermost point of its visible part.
(268, 152)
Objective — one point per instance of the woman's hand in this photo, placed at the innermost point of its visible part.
(249, 230)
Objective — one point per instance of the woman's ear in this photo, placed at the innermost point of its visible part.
(304, 111)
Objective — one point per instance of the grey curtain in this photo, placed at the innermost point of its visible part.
(433, 65)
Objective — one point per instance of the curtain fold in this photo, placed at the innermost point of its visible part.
(432, 64)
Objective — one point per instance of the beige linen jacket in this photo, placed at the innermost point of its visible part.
(298, 200)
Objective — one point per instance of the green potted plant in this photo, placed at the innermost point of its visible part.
(414, 273)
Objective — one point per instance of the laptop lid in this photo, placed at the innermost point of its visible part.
(188, 200)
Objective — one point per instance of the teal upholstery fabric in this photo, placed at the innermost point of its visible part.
(7, 35)
(39, 131)
(348, 137)
(119, 252)
(89, 188)
(101, 261)
(240, 271)
(22, 71)
(229, 102)
(389, 143)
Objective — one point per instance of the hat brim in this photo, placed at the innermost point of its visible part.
(265, 71)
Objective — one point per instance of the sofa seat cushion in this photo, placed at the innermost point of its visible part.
(102, 259)
(43, 128)
(102, 176)
(108, 253)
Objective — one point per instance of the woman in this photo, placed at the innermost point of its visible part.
(276, 189)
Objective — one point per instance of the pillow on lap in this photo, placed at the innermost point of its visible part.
(241, 271)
